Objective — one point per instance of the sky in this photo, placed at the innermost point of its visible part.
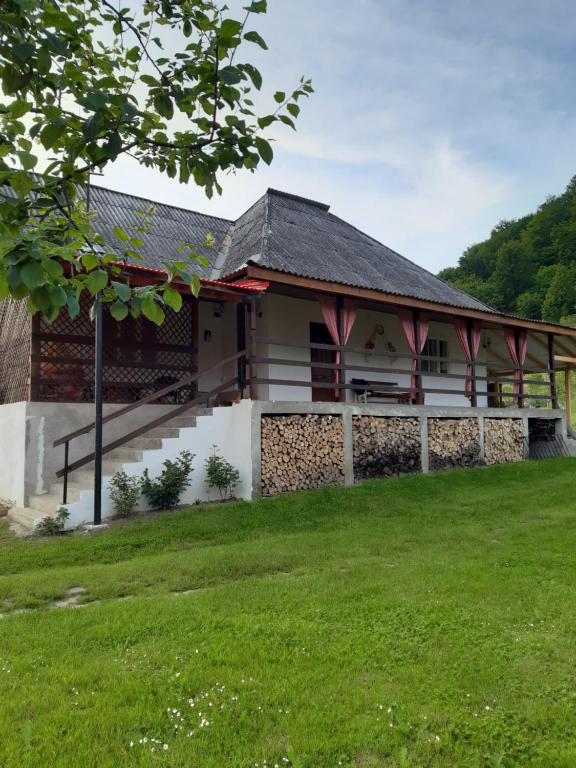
(432, 120)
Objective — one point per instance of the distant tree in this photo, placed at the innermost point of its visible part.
(85, 83)
(514, 268)
(511, 275)
(560, 298)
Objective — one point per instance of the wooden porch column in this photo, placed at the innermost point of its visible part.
(520, 369)
(251, 346)
(470, 333)
(419, 396)
(568, 390)
(340, 321)
(551, 366)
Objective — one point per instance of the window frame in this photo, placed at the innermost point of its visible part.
(439, 365)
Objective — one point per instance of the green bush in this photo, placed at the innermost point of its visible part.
(124, 492)
(221, 474)
(52, 526)
(164, 491)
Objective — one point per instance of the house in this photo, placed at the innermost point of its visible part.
(313, 355)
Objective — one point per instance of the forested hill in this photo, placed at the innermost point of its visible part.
(528, 266)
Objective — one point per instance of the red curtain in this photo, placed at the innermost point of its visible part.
(329, 308)
(517, 357)
(409, 328)
(470, 353)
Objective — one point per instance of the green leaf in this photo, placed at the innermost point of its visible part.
(19, 108)
(254, 37)
(294, 109)
(58, 296)
(287, 121)
(97, 281)
(122, 290)
(73, 306)
(152, 311)
(21, 182)
(279, 97)
(264, 122)
(230, 28)
(254, 75)
(229, 75)
(44, 61)
(32, 274)
(163, 105)
(51, 132)
(257, 6)
(264, 150)
(173, 299)
(119, 311)
(27, 160)
(90, 261)
(120, 233)
(114, 146)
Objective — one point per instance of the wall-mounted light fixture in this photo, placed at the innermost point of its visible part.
(207, 336)
(219, 310)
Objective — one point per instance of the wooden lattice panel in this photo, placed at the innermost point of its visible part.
(139, 358)
(15, 332)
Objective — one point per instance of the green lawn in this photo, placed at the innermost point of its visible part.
(425, 621)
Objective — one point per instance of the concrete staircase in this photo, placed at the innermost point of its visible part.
(24, 520)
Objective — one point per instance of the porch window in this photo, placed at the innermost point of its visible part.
(435, 348)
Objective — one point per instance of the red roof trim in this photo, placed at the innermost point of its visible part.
(248, 285)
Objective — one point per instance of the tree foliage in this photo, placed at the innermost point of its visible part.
(528, 266)
(86, 83)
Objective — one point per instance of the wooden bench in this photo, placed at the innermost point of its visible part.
(380, 390)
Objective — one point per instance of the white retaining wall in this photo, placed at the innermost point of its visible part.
(229, 428)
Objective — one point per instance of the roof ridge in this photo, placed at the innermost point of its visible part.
(299, 198)
(158, 202)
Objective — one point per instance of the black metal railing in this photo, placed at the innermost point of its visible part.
(239, 379)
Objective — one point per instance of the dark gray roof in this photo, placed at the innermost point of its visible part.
(169, 228)
(291, 234)
(281, 232)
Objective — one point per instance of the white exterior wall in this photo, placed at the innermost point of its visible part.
(229, 428)
(13, 438)
(288, 319)
(221, 344)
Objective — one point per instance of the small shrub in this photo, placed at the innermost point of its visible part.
(53, 526)
(221, 474)
(124, 491)
(165, 490)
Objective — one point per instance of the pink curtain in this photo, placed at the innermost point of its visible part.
(517, 357)
(409, 328)
(470, 353)
(329, 308)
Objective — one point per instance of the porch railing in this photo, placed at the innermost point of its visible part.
(239, 379)
(499, 375)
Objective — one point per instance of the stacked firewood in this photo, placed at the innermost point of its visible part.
(385, 446)
(301, 451)
(453, 443)
(503, 441)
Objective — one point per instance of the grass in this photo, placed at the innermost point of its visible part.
(425, 621)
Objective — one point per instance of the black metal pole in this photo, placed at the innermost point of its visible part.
(98, 411)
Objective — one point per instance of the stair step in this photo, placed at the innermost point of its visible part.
(47, 504)
(125, 454)
(24, 517)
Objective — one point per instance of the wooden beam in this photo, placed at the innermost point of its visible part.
(567, 360)
(568, 391)
(553, 388)
(403, 301)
